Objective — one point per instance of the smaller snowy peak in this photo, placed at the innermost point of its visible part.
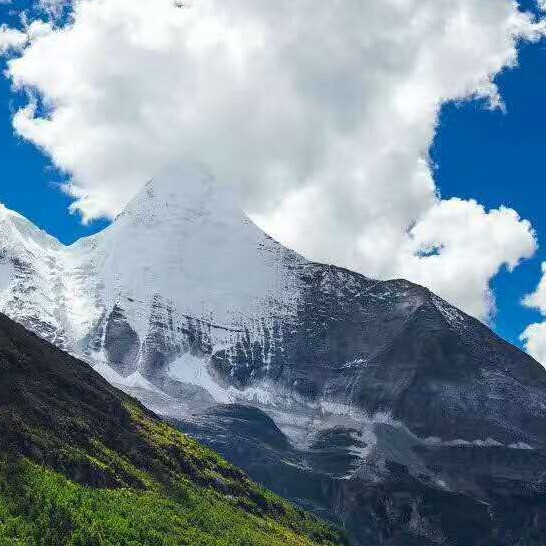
(16, 230)
(29, 275)
(42, 284)
(8, 214)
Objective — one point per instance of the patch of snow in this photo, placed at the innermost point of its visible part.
(168, 241)
(6, 278)
(520, 445)
(109, 373)
(452, 315)
(138, 381)
(459, 442)
(194, 370)
(133, 381)
(257, 395)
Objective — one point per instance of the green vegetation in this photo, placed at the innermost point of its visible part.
(39, 507)
(82, 464)
(188, 496)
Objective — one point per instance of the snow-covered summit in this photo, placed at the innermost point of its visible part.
(185, 241)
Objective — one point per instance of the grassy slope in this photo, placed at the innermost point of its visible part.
(83, 464)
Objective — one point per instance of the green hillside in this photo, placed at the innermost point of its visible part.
(83, 464)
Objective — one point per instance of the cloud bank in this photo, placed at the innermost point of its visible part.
(319, 115)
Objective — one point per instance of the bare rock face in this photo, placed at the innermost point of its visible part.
(375, 404)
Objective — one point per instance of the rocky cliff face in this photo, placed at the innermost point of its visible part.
(369, 394)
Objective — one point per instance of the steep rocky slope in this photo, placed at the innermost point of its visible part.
(82, 463)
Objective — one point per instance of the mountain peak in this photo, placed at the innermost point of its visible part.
(192, 188)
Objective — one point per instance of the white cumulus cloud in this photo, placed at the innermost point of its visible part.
(534, 335)
(319, 115)
(457, 247)
(11, 39)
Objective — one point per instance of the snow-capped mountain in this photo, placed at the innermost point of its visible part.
(318, 381)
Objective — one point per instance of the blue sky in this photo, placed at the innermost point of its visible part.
(491, 156)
